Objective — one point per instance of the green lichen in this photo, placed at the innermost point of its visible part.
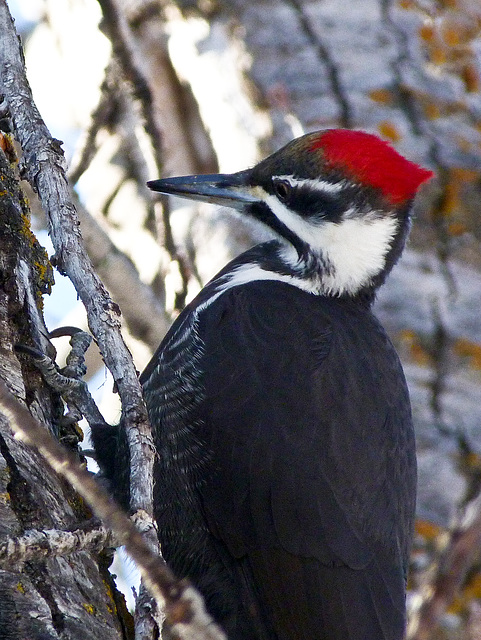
(89, 608)
(5, 498)
(44, 279)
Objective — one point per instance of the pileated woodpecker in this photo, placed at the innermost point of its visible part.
(285, 477)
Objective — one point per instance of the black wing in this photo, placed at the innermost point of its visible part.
(307, 479)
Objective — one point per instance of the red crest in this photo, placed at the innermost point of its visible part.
(372, 161)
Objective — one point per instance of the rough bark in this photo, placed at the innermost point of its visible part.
(410, 72)
(52, 597)
(242, 78)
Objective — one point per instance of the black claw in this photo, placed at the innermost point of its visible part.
(30, 351)
(68, 382)
(64, 331)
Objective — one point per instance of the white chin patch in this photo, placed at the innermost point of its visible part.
(357, 251)
(355, 248)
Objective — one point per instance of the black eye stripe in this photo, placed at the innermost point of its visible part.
(308, 200)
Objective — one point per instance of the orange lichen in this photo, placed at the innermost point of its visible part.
(406, 4)
(416, 350)
(457, 228)
(470, 76)
(472, 460)
(463, 144)
(452, 35)
(468, 349)
(470, 591)
(3, 141)
(457, 178)
(427, 32)
(432, 110)
(383, 96)
(473, 587)
(388, 130)
(428, 530)
(438, 55)
(8, 147)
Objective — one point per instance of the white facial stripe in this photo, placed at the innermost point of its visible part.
(318, 184)
(356, 247)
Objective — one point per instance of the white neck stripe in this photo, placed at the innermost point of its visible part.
(253, 272)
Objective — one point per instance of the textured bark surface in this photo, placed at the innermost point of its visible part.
(410, 72)
(56, 597)
(229, 82)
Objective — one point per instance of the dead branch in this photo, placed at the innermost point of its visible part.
(142, 310)
(102, 116)
(35, 544)
(438, 593)
(118, 31)
(184, 608)
(44, 167)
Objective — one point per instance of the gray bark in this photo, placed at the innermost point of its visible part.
(53, 597)
(373, 64)
(240, 79)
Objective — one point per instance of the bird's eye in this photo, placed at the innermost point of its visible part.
(282, 189)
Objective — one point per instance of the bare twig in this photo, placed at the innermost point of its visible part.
(43, 166)
(463, 544)
(143, 312)
(118, 31)
(184, 608)
(35, 544)
(101, 117)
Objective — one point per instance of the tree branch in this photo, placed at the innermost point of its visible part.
(44, 168)
(184, 608)
(118, 31)
(142, 310)
(35, 544)
(463, 544)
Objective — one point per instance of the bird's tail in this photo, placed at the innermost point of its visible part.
(307, 600)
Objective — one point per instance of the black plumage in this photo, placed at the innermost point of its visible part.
(298, 476)
(285, 472)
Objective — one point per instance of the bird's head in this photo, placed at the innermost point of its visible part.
(339, 200)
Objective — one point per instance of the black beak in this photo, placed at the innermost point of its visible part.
(228, 190)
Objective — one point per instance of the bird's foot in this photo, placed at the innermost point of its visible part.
(68, 383)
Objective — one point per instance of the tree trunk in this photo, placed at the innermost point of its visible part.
(229, 82)
(70, 597)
